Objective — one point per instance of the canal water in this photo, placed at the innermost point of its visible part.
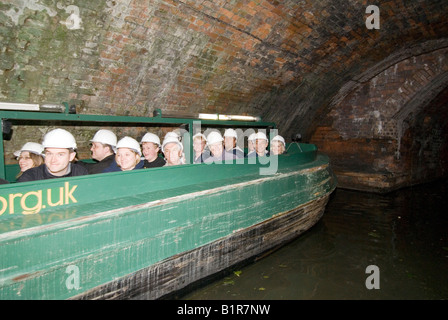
(402, 235)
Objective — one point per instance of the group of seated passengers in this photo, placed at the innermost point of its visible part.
(56, 156)
(225, 148)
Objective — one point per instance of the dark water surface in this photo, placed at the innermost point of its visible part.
(404, 234)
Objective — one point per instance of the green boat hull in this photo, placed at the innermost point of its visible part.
(149, 233)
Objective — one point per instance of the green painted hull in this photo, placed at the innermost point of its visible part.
(119, 235)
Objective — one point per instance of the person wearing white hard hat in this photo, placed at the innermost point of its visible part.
(128, 156)
(29, 156)
(230, 139)
(150, 149)
(217, 150)
(277, 145)
(172, 149)
(200, 152)
(103, 146)
(251, 143)
(261, 143)
(59, 151)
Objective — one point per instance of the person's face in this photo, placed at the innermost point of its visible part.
(198, 145)
(250, 145)
(172, 153)
(229, 143)
(150, 151)
(277, 147)
(216, 149)
(260, 146)
(58, 159)
(99, 151)
(127, 159)
(25, 161)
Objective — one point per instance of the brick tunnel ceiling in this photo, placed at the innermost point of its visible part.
(286, 61)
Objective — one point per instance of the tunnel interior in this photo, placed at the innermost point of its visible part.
(367, 85)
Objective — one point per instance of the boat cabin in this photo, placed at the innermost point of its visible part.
(15, 115)
(148, 232)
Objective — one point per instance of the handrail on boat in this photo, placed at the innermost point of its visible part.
(45, 114)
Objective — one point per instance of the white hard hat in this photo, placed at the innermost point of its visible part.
(59, 138)
(200, 135)
(170, 139)
(32, 147)
(230, 133)
(151, 137)
(252, 137)
(106, 137)
(261, 135)
(279, 138)
(131, 143)
(172, 134)
(214, 137)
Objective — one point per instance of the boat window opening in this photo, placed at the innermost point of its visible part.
(18, 124)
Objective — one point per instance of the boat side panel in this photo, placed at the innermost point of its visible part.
(124, 241)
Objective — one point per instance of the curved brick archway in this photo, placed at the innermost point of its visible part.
(390, 131)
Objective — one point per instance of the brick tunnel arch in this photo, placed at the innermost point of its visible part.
(387, 129)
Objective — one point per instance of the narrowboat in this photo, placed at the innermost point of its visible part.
(151, 232)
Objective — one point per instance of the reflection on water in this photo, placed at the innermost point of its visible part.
(404, 233)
